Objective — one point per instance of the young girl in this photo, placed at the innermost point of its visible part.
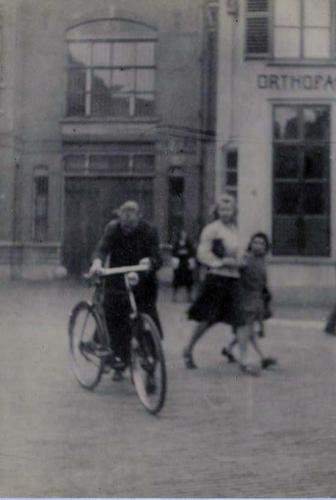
(256, 296)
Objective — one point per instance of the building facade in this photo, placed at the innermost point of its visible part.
(100, 102)
(275, 130)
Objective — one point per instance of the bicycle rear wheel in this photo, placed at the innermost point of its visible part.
(148, 365)
(86, 339)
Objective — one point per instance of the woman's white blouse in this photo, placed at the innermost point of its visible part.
(229, 235)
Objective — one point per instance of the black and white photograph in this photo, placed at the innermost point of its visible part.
(167, 248)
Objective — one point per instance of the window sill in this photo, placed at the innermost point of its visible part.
(108, 119)
(301, 260)
(312, 63)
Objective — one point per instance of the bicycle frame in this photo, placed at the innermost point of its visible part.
(98, 294)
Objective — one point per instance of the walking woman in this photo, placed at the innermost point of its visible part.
(220, 298)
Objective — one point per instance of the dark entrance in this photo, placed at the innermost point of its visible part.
(89, 205)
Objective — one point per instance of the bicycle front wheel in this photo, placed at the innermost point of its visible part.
(85, 337)
(148, 365)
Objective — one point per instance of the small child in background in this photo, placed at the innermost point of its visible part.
(256, 296)
(183, 263)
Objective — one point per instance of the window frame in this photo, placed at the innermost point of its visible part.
(269, 54)
(91, 67)
(302, 144)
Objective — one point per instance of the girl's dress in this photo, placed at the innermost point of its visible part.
(254, 287)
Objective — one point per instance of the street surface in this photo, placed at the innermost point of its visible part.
(220, 433)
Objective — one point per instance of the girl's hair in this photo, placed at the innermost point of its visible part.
(214, 208)
(262, 236)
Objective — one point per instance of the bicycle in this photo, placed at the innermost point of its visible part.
(91, 352)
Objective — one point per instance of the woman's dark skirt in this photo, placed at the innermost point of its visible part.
(219, 300)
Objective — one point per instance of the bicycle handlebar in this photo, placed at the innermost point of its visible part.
(109, 271)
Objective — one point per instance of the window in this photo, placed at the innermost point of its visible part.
(107, 164)
(231, 172)
(111, 69)
(301, 137)
(41, 199)
(301, 29)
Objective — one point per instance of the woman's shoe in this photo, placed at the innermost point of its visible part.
(230, 357)
(188, 360)
(252, 370)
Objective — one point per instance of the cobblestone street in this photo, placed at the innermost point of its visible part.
(219, 434)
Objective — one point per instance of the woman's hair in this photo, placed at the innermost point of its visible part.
(214, 208)
(262, 236)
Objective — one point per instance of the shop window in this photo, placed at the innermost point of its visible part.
(301, 189)
(41, 201)
(111, 75)
(301, 29)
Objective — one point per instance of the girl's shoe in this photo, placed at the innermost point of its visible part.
(230, 357)
(267, 362)
(188, 360)
(252, 370)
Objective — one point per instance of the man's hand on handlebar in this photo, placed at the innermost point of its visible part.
(146, 262)
(96, 267)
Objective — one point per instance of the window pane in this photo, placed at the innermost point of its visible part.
(315, 162)
(144, 105)
(314, 199)
(116, 164)
(145, 80)
(79, 54)
(124, 54)
(231, 178)
(101, 104)
(123, 80)
(75, 104)
(101, 54)
(286, 162)
(144, 163)
(101, 80)
(286, 198)
(286, 123)
(76, 80)
(145, 54)
(317, 13)
(316, 43)
(316, 123)
(316, 236)
(287, 12)
(120, 105)
(286, 42)
(74, 163)
(285, 235)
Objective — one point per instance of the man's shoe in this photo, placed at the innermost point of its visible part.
(267, 362)
(188, 360)
(118, 375)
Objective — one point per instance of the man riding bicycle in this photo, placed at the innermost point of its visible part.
(125, 242)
